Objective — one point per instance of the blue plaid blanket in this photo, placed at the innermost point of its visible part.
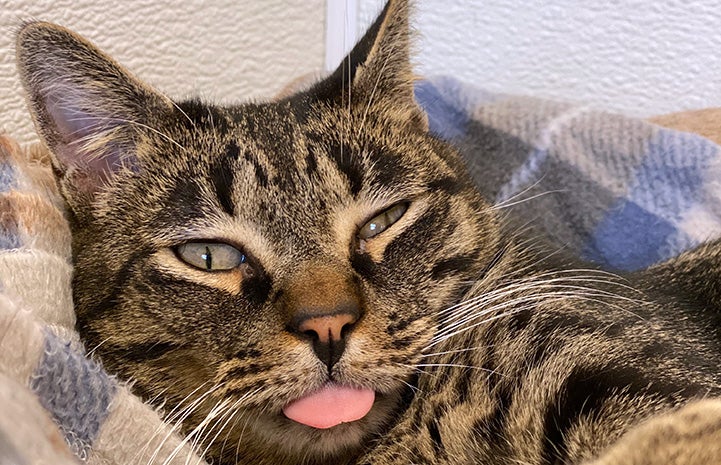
(58, 406)
(615, 190)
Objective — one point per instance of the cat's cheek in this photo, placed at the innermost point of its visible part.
(383, 348)
(284, 370)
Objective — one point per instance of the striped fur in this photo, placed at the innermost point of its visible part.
(482, 344)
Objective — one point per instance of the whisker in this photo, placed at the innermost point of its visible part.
(459, 322)
(222, 421)
(240, 439)
(468, 328)
(415, 369)
(175, 420)
(458, 365)
(92, 351)
(559, 292)
(456, 351)
(534, 283)
(223, 411)
(198, 433)
(521, 193)
(507, 204)
(237, 416)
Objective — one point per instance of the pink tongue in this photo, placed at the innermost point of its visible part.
(331, 406)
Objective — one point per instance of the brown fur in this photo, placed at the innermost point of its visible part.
(481, 346)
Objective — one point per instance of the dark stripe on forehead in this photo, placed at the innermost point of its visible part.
(348, 164)
(448, 184)
(260, 174)
(388, 168)
(181, 204)
(274, 133)
(222, 176)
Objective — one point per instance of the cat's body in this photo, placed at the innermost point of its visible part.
(592, 365)
(247, 257)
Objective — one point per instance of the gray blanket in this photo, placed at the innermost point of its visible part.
(614, 190)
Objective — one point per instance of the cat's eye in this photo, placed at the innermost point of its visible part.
(382, 221)
(211, 256)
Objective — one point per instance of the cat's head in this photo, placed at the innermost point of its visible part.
(287, 258)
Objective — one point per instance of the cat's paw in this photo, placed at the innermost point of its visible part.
(688, 436)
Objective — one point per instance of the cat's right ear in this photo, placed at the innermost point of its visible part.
(87, 108)
(377, 75)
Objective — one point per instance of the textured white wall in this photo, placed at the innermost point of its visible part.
(223, 50)
(638, 57)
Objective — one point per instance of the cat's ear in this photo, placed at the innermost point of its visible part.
(378, 69)
(87, 108)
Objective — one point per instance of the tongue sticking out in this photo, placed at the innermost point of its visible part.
(331, 406)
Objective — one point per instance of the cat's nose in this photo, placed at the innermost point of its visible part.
(328, 330)
(322, 304)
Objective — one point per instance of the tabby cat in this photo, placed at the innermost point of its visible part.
(315, 280)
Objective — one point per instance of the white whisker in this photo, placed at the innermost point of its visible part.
(175, 420)
(456, 351)
(506, 204)
(457, 365)
(92, 351)
(194, 437)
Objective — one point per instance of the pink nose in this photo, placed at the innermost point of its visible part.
(327, 329)
(322, 304)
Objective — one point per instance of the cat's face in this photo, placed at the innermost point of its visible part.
(254, 256)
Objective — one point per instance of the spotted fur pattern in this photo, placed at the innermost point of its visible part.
(483, 345)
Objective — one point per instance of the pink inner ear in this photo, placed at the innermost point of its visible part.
(71, 123)
(89, 173)
(73, 126)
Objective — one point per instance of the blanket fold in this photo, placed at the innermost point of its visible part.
(59, 405)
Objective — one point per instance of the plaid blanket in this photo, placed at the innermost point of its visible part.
(58, 405)
(614, 190)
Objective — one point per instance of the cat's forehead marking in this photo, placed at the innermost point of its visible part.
(288, 188)
(222, 177)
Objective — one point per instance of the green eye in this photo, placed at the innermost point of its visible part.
(211, 256)
(383, 221)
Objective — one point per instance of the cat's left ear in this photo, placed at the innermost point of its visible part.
(378, 69)
(90, 111)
